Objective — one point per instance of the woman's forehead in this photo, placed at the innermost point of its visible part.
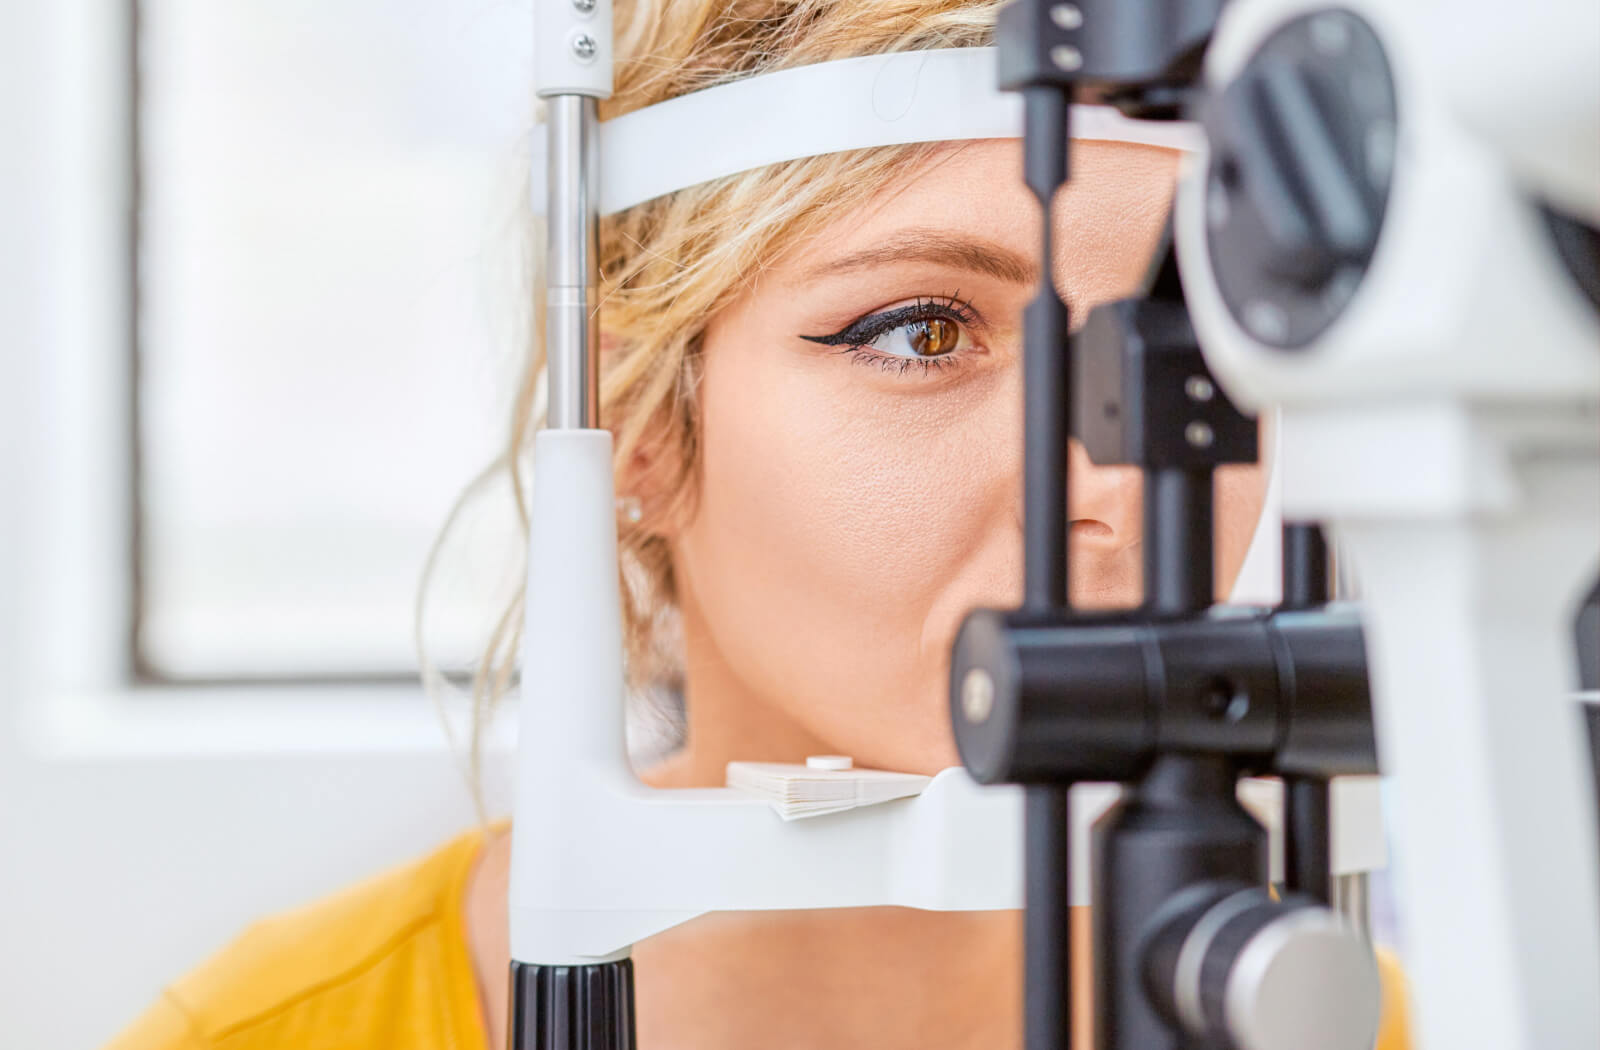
(973, 192)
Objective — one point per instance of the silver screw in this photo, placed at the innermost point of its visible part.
(1199, 434)
(1199, 388)
(584, 46)
(977, 695)
(1066, 57)
(1066, 16)
(585, 7)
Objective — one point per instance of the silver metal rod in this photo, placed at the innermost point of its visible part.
(572, 325)
(1352, 898)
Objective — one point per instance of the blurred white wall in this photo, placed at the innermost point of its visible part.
(140, 828)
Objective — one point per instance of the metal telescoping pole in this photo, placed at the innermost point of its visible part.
(572, 325)
(562, 998)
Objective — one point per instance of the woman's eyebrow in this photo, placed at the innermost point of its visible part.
(934, 246)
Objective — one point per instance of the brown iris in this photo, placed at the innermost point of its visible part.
(935, 337)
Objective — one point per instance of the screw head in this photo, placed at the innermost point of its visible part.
(977, 695)
(1067, 58)
(585, 46)
(1066, 16)
(1199, 388)
(1199, 434)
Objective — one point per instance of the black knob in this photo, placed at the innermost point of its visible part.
(586, 1007)
(1302, 151)
(1237, 968)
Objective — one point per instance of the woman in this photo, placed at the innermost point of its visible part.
(812, 372)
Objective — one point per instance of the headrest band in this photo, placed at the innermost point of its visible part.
(943, 95)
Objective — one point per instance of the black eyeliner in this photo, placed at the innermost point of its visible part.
(866, 329)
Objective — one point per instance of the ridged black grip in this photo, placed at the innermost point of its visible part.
(572, 1007)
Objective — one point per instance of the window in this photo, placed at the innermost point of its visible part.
(328, 320)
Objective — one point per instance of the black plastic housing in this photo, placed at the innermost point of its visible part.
(1137, 54)
(1141, 386)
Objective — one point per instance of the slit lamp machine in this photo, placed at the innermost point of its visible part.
(1385, 235)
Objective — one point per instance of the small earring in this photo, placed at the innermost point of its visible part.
(628, 507)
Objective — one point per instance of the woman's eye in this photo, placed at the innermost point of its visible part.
(930, 337)
(929, 332)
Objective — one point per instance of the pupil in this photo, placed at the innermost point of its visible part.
(934, 337)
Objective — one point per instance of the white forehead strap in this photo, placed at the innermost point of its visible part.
(941, 95)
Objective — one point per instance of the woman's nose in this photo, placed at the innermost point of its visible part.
(1105, 503)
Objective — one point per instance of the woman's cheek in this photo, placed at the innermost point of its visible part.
(907, 481)
(860, 514)
(837, 515)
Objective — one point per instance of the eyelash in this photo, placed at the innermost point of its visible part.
(854, 338)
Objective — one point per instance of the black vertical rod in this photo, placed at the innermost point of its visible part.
(1046, 393)
(1047, 939)
(1308, 817)
(1047, 401)
(1178, 572)
(1307, 855)
(1305, 567)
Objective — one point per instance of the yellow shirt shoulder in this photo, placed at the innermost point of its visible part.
(383, 964)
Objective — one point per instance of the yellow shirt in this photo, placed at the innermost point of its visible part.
(384, 966)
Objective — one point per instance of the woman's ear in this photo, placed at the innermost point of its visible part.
(650, 483)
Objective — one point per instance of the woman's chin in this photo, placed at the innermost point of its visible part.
(925, 751)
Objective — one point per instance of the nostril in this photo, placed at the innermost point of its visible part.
(1089, 528)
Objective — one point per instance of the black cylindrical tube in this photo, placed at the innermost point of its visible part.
(1036, 703)
(1178, 574)
(1046, 392)
(1047, 939)
(1307, 854)
(1326, 717)
(1305, 567)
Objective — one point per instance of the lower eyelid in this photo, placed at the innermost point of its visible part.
(894, 363)
(954, 359)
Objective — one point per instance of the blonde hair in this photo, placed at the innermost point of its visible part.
(668, 265)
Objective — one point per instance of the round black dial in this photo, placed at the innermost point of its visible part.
(1302, 158)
